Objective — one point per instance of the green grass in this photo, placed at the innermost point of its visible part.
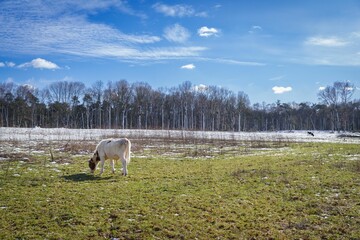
(307, 191)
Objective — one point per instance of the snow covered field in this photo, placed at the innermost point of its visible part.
(64, 134)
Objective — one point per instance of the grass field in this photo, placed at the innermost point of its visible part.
(183, 190)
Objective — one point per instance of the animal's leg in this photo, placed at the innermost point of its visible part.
(124, 165)
(102, 166)
(112, 165)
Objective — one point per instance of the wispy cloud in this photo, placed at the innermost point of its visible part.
(336, 50)
(207, 32)
(232, 61)
(281, 90)
(67, 34)
(188, 66)
(326, 41)
(178, 10)
(176, 33)
(160, 53)
(39, 63)
(83, 6)
(277, 78)
(35, 28)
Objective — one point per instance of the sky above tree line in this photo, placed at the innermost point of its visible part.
(271, 50)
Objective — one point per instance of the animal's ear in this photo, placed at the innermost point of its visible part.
(97, 153)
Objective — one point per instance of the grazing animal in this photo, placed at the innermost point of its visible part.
(311, 133)
(112, 149)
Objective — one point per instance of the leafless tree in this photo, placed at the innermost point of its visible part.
(242, 104)
(138, 105)
(337, 97)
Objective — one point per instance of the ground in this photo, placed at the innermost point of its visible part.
(179, 187)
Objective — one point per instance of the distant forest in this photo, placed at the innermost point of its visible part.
(122, 105)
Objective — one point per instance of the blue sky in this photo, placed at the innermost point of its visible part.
(271, 50)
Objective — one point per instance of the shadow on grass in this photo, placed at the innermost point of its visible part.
(82, 177)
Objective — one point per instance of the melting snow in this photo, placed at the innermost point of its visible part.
(58, 134)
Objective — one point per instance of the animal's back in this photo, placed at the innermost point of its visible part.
(121, 141)
(114, 147)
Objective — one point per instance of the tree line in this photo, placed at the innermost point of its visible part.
(123, 105)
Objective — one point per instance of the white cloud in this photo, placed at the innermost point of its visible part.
(188, 66)
(176, 33)
(39, 63)
(347, 88)
(281, 90)
(255, 29)
(178, 10)
(207, 32)
(326, 42)
(10, 64)
(7, 64)
(200, 88)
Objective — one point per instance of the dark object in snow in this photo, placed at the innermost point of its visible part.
(311, 133)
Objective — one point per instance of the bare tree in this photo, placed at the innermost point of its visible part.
(334, 96)
(121, 105)
(63, 91)
(97, 91)
(6, 100)
(345, 90)
(142, 93)
(122, 95)
(242, 104)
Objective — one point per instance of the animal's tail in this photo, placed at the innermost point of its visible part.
(128, 150)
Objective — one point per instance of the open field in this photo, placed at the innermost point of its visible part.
(181, 185)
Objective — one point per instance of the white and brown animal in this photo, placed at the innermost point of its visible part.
(112, 149)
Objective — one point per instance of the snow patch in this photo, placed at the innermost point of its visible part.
(61, 134)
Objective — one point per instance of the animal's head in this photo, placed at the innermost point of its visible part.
(94, 160)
